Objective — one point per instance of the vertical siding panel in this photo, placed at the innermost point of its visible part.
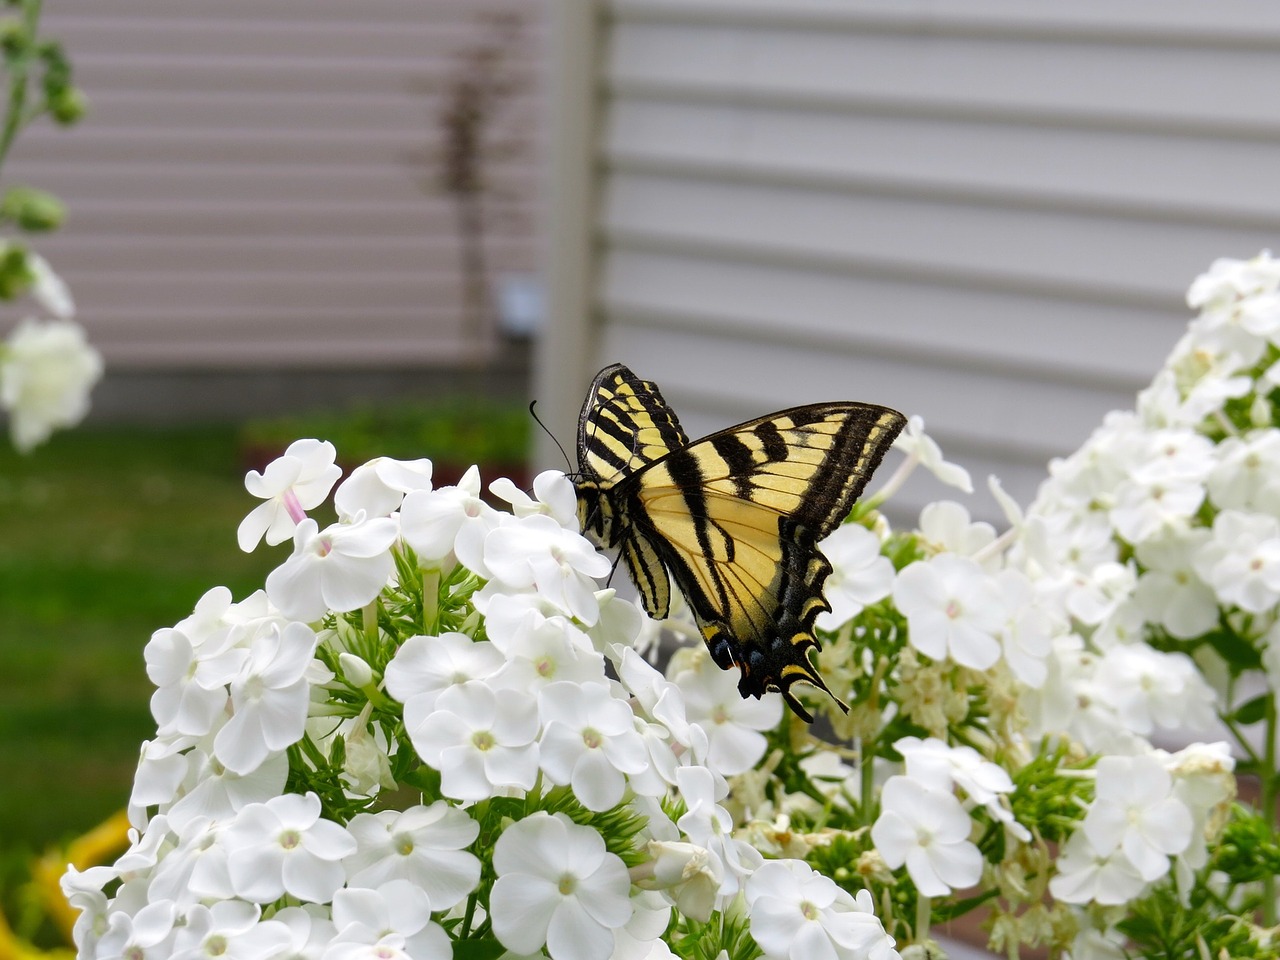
(258, 182)
(983, 211)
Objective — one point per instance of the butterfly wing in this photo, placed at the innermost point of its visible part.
(625, 425)
(736, 518)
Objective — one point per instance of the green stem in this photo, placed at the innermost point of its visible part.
(1270, 780)
(16, 116)
(430, 601)
(924, 910)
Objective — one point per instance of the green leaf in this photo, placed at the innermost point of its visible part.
(1252, 712)
(483, 949)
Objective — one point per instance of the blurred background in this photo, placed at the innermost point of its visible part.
(392, 224)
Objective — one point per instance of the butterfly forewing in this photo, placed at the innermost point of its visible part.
(735, 517)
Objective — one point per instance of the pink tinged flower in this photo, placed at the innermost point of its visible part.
(377, 488)
(1134, 811)
(1242, 561)
(479, 741)
(283, 846)
(799, 914)
(536, 552)
(290, 485)
(424, 667)
(1087, 876)
(557, 885)
(732, 723)
(269, 697)
(340, 568)
(424, 845)
(364, 917)
(589, 742)
(928, 831)
(553, 496)
(860, 575)
(449, 520)
(953, 608)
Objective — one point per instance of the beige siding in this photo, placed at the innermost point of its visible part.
(251, 185)
(982, 211)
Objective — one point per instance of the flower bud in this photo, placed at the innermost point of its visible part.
(67, 106)
(32, 209)
(356, 672)
(688, 874)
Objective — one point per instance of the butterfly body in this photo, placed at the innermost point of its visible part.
(734, 519)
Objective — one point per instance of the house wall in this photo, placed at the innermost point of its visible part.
(986, 212)
(257, 183)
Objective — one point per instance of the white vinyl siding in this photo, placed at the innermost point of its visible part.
(986, 212)
(249, 185)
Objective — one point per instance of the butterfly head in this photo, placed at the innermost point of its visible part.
(595, 515)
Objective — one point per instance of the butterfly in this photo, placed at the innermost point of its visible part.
(734, 519)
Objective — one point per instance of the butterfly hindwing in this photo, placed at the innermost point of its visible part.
(734, 518)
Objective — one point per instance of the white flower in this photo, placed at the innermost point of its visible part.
(553, 495)
(589, 742)
(191, 693)
(340, 568)
(424, 845)
(1242, 561)
(733, 723)
(196, 867)
(283, 846)
(146, 935)
(424, 667)
(46, 373)
(269, 696)
(1134, 810)
(310, 931)
(799, 914)
(1085, 875)
(928, 830)
(1027, 637)
(1170, 593)
(1148, 688)
(688, 874)
(557, 885)
(378, 487)
(1227, 281)
(214, 790)
(449, 520)
(228, 928)
(365, 916)
(537, 552)
(293, 483)
(709, 825)
(953, 608)
(49, 289)
(922, 449)
(480, 741)
(1247, 474)
(945, 527)
(860, 575)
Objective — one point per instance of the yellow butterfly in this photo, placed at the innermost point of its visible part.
(734, 518)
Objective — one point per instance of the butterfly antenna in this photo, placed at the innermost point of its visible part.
(533, 413)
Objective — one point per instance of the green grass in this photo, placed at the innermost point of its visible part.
(105, 536)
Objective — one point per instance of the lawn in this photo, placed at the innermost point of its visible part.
(107, 536)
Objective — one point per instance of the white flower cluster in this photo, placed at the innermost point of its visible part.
(47, 367)
(432, 727)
